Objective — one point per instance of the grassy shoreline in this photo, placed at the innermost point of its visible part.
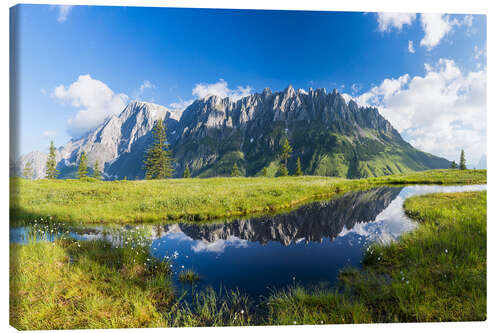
(73, 284)
(435, 273)
(92, 201)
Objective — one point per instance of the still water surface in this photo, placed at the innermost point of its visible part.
(306, 246)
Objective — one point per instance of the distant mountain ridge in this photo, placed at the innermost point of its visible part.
(331, 137)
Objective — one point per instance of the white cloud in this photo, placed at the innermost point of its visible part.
(387, 89)
(348, 98)
(95, 100)
(477, 52)
(355, 88)
(219, 245)
(181, 105)
(220, 89)
(410, 46)
(468, 20)
(138, 94)
(387, 21)
(63, 12)
(441, 112)
(49, 133)
(435, 26)
(146, 85)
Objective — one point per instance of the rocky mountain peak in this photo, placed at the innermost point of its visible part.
(289, 91)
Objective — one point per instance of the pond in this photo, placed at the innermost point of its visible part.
(307, 246)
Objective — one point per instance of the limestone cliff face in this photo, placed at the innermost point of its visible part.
(250, 112)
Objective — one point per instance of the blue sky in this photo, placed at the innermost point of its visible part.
(78, 64)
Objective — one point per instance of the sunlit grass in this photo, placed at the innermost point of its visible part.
(211, 308)
(72, 284)
(298, 305)
(188, 276)
(193, 199)
(75, 284)
(435, 273)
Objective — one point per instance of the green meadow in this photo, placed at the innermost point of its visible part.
(143, 201)
(435, 273)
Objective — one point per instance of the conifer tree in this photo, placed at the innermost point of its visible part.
(286, 150)
(82, 166)
(453, 165)
(28, 171)
(298, 168)
(50, 166)
(187, 173)
(158, 163)
(97, 172)
(462, 165)
(235, 172)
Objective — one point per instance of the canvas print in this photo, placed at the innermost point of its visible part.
(175, 167)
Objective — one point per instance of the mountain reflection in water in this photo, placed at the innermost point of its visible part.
(310, 223)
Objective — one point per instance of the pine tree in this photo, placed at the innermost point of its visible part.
(82, 166)
(462, 161)
(187, 173)
(298, 168)
(286, 150)
(28, 171)
(235, 172)
(158, 163)
(97, 171)
(453, 165)
(51, 170)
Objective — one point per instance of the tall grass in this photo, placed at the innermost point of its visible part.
(188, 276)
(69, 284)
(73, 284)
(193, 199)
(211, 308)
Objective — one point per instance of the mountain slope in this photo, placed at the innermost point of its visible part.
(331, 138)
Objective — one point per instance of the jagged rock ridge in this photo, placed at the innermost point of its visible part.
(330, 136)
